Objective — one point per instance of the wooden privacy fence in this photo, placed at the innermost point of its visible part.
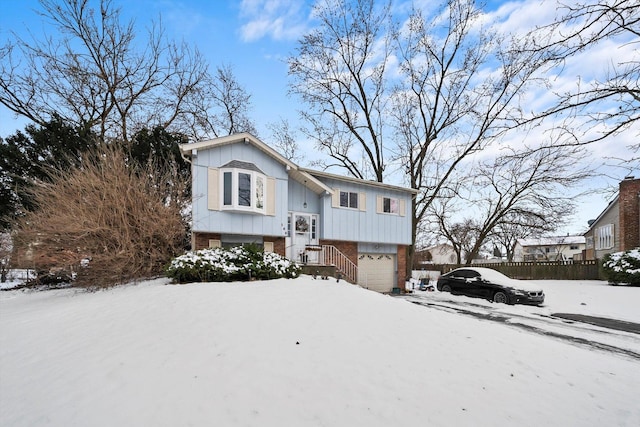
(539, 270)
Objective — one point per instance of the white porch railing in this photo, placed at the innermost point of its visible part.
(330, 255)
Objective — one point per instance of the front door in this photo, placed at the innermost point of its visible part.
(304, 232)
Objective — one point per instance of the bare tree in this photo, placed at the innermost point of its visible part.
(6, 248)
(579, 27)
(515, 226)
(223, 106)
(450, 106)
(529, 188)
(285, 140)
(339, 72)
(462, 235)
(91, 69)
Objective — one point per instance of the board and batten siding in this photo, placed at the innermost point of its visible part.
(206, 214)
(365, 224)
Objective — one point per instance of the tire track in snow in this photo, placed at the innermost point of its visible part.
(515, 320)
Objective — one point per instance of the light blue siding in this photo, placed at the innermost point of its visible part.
(298, 195)
(375, 232)
(205, 220)
(365, 226)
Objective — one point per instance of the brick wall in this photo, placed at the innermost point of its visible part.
(402, 266)
(201, 240)
(278, 244)
(349, 249)
(629, 208)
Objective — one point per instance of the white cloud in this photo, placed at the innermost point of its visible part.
(277, 19)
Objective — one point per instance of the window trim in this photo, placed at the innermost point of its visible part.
(383, 200)
(361, 200)
(605, 237)
(235, 191)
(400, 205)
(351, 196)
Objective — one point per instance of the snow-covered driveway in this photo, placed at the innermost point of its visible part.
(587, 313)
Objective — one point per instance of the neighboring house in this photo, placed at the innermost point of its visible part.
(617, 228)
(245, 192)
(556, 248)
(442, 253)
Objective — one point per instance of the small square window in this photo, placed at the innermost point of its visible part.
(348, 199)
(390, 205)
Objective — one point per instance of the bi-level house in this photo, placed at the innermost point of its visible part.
(246, 192)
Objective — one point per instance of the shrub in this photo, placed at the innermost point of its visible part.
(238, 263)
(623, 267)
(121, 221)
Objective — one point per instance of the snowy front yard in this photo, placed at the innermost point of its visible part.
(299, 352)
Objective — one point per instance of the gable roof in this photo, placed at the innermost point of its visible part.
(294, 170)
(440, 247)
(613, 203)
(552, 241)
(306, 177)
(359, 181)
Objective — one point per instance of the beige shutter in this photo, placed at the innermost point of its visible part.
(335, 198)
(213, 189)
(402, 208)
(268, 246)
(379, 204)
(271, 196)
(362, 201)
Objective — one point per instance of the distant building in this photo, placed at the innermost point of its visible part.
(439, 254)
(617, 228)
(555, 248)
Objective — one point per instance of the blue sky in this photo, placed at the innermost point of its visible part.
(226, 32)
(256, 36)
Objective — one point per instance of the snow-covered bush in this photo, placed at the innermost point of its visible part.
(238, 263)
(623, 267)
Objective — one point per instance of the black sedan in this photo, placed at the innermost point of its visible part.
(490, 284)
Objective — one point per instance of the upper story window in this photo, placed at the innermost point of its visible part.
(604, 237)
(243, 190)
(390, 205)
(348, 199)
(241, 186)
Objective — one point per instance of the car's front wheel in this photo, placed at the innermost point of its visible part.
(446, 288)
(501, 297)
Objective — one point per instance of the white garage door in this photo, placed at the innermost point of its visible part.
(377, 271)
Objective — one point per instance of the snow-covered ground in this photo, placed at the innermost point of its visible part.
(304, 352)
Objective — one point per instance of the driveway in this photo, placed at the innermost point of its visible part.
(618, 325)
(611, 335)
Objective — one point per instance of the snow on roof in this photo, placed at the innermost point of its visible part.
(552, 241)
